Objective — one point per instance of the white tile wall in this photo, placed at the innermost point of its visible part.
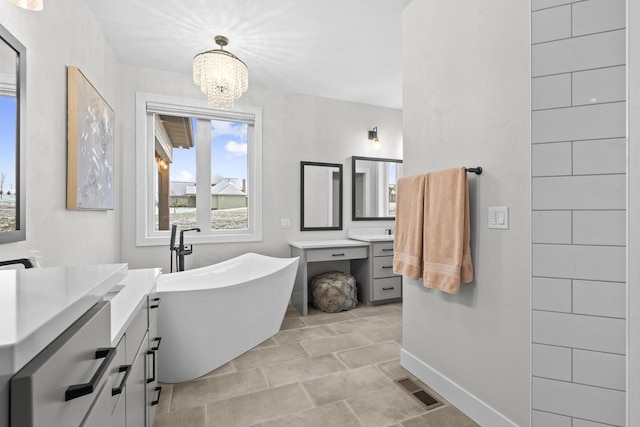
(545, 419)
(599, 228)
(551, 24)
(592, 403)
(600, 298)
(600, 263)
(583, 332)
(599, 156)
(579, 192)
(551, 362)
(594, 16)
(551, 226)
(599, 369)
(577, 123)
(551, 294)
(578, 54)
(551, 91)
(597, 86)
(551, 159)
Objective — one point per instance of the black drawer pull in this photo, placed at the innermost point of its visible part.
(127, 370)
(157, 347)
(77, 390)
(153, 378)
(388, 289)
(155, 402)
(387, 250)
(337, 254)
(157, 303)
(388, 266)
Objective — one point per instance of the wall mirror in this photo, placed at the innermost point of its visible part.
(321, 196)
(374, 182)
(13, 71)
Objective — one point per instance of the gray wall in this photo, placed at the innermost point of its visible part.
(65, 33)
(466, 103)
(578, 212)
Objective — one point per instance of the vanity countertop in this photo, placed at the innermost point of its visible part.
(37, 305)
(374, 238)
(372, 234)
(320, 244)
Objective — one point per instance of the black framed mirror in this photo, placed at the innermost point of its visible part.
(320, 196)
(13, 72)
(373, 188)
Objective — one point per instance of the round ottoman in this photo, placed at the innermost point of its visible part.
(334, 291)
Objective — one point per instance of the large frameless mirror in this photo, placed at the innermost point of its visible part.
(13, 71)
(374, 184)
(321, 196)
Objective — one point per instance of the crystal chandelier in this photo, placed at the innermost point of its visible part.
(29, 4)
(220, 75)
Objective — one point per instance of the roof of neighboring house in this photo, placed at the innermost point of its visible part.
(226, 188)
(223, 188)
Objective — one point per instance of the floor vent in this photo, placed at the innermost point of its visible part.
(418, 393)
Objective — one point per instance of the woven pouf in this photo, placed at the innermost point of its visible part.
(334, 291)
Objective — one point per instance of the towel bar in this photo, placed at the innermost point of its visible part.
(477, 170)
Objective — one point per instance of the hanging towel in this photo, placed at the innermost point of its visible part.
(407, 246)
(446, 248)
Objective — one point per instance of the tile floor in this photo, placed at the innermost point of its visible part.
(320, 370)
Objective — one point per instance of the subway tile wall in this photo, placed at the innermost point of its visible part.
(578, 135)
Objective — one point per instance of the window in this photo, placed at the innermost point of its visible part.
(197, 167)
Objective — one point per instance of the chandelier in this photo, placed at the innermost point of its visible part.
(29, 4)
(221, 75)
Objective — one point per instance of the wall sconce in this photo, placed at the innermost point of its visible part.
(29, 4)
(373, 137)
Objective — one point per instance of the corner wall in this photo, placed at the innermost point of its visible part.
(466, 103)
(64, 33)
(578, 212)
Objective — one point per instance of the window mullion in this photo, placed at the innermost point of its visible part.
(203, 175)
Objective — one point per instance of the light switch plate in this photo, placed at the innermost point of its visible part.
(499, 217)
(285, 223)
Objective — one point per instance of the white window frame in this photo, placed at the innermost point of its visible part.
(147, 106)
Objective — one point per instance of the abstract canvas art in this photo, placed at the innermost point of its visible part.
(90, 146)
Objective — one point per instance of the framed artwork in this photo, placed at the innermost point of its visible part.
(90, 146)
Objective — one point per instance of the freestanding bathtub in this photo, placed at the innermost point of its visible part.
(211, 315)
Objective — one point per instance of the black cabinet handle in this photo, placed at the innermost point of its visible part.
(155, 402)
(388, 289)
(77, 390)
(388, 266)
(157, 303)
(153, 378)
(387, 250)
(337, 254)
(127, 370)
(157, 347)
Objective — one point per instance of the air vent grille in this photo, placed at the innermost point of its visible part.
(418, 393)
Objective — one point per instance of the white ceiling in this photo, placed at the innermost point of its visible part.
(343, 49)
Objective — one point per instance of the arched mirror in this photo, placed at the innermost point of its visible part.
(373, 190)
(13, 71)
(321, 196)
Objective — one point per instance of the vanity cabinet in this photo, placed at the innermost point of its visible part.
(377, 283)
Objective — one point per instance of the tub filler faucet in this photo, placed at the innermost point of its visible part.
(181, 250)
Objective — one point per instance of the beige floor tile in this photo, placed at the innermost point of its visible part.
(258, 407)
(370, 355)
(387, 406)
(292, 312)
(267, 343)
(358, 325)
(164, 405)
(344, 385)
(224, 369)
(389, 333)
(373, 310)
(212, 389)
(393, 370)
(303, 369)
(333, 344)
(292, 323)
(319, 318)
(331, 415)
(304, 334)
(392, 318)
(186, 417)
(269, 356)
(446, 416)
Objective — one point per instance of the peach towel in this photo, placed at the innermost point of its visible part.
(446, 232)
(407, 246)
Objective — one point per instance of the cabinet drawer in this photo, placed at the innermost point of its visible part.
(117, 376)
(383, 267)
(315, 255)
(387, 288)
(135, 332)
(39, 391)
(383, 249)
(154, 304)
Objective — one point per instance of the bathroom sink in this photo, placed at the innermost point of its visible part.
(372, 234)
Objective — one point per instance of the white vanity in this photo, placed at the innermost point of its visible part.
(76, 343)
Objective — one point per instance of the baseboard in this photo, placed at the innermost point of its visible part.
(473, 407)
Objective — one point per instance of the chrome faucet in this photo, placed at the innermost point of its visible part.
(181, 250)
